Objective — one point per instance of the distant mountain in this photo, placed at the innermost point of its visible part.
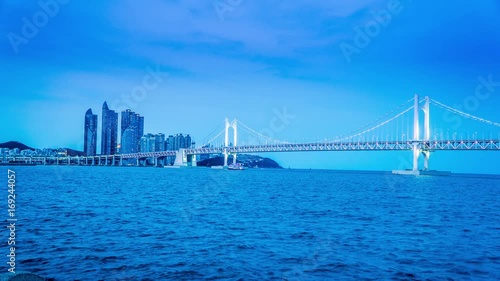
(252, 161)
(72, 152)
(22, 146)
(15, 144)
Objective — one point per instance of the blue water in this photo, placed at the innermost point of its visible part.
(111, 223)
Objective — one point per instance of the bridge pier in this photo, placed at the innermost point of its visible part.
(427, 155)
(180, 158)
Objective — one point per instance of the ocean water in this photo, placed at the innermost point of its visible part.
(118, 223)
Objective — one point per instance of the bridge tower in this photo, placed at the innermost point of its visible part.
(416, 133)
(427, 131)
(234, 125)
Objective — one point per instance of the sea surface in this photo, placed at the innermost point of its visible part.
(128, 223)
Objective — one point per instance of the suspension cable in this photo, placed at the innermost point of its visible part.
(210, 141)
(463, 114)
(377, 126)
(376, 120)
(259, 134)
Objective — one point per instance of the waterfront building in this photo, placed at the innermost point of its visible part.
(132, 129)
(109, 136)
(176, 142)
(160, 142)
(90, 134)
(148, 143)
(129, 138)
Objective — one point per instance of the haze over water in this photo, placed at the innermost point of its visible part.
(111, 223)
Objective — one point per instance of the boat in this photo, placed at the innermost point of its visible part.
(236, 166)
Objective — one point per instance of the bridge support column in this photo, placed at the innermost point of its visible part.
(233, 124)
(427, 131)
(427, 155)
(416, 156)
(235, 138)
(416, 133)
(180, 158)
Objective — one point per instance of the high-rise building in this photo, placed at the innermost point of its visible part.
(148, 143)
(128, 141)
(153, 143)
(160, 142)
(169, 143)
(109, 137)
(90, 134)
(140, 130)
(176, 142)
(132, 129)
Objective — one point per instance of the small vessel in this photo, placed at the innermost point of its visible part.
(172, 167)
(236, 166)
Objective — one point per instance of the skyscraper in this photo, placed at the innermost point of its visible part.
(160, 142)
(140, 130)
(176, 142)
(148, 143)
(132, 129)
(109, 137)
(90, 134)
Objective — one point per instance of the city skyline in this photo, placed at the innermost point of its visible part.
(190, 71)
(132, 138)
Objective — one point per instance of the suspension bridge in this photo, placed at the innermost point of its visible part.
(399, 130)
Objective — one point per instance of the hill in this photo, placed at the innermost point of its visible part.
(22, 146)
(252, 161)
(15, 144)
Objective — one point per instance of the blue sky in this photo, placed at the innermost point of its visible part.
(246, 59)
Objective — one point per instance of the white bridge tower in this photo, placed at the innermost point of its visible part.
(417, 147)
(234, 125)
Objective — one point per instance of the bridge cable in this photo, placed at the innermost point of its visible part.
(463, 114)
(260, 135)
(376, 120)
(210, 141)
(378, 126)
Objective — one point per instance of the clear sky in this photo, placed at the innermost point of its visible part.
(334, 65)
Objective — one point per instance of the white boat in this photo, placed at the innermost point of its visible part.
(236, 166)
